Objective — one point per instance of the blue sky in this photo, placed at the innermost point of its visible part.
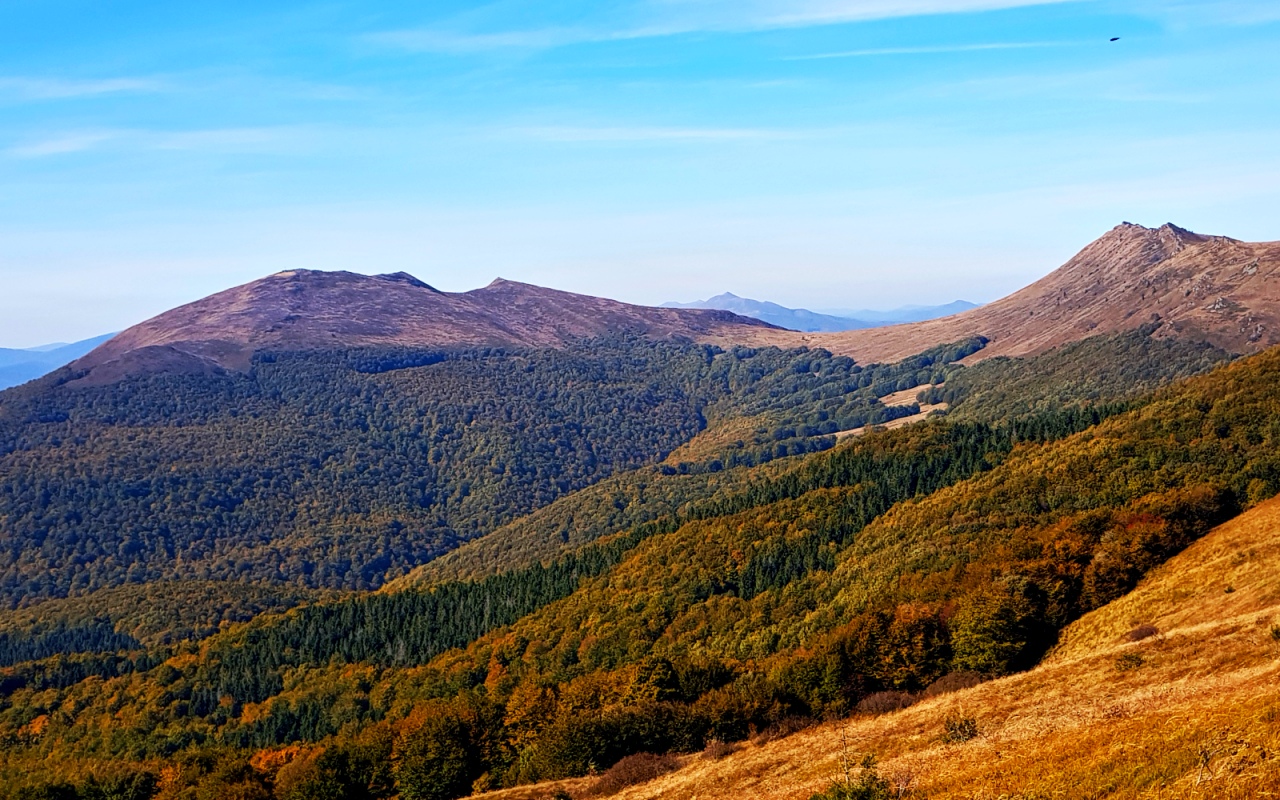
(817, 153)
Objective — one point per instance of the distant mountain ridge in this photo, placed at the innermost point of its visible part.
(312, 310)
(796, 319)
(806, 321)
(908, 313)
(19, 366)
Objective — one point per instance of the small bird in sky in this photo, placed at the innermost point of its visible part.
(1115, 38)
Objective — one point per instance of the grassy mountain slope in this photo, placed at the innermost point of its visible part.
(1190, 711)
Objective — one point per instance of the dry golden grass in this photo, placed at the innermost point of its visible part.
(903, 398)
(1191, 712)
(720, 437)
(1191, 590)
(925, 411)
(907, 396)
(576, 787)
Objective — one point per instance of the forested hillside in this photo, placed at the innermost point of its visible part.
(1101, 371)
(800, 590)
(1173, 691)
(343, 469)
(147, 614)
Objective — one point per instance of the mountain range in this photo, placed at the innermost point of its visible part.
(329, 535)
(799, 319)
(20, 366)
(894, 316)
(1210, 288)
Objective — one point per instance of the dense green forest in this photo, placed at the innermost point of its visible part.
(412, 627)
(152, 614)
(756, 608)
(344, 469)
(662, 608)
(1099, 372)
(1096, 370)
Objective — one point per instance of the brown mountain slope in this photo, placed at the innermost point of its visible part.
(306, 309)
(1210, 287)
(1191, 710)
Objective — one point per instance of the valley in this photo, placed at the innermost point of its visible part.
(337, 536)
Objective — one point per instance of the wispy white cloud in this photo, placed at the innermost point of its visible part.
(454, 42)
(430, 40)
(1199, 13)
(911, 51)
(649, 134)
(62, 144)
(217, 140)
(799, 13)
(61, 88)
(224, 139)
(658, 18)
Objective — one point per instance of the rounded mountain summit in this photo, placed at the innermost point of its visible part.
(314, 310)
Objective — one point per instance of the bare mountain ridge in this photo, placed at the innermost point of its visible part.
(307, 309)
(1206, 287)
(1213, 288)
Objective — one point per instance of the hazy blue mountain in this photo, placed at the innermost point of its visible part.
(797, 319)
(902, 314)
(19, 366)
(800, 319)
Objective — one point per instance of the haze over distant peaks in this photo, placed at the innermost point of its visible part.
(806, 321)
(20, 366)
(796, 319)
(309, 309)
(908, 313)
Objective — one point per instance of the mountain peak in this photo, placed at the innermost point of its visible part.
(1169, 236)
(404, 277)
(514, 287)
(1212, 288)
(1133, 248)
